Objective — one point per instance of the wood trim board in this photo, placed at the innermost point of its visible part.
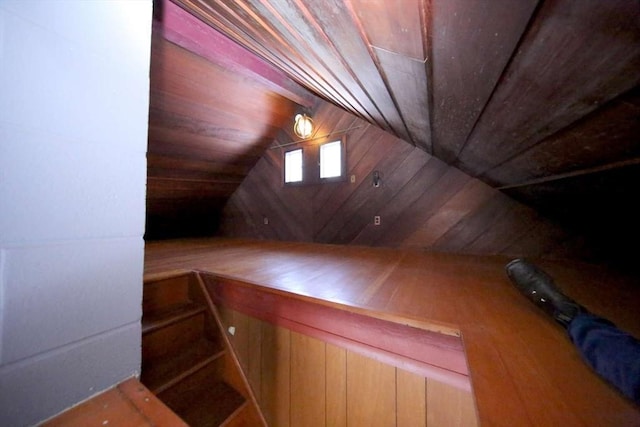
(430, 354)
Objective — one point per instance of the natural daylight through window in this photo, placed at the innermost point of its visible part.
(293, 166)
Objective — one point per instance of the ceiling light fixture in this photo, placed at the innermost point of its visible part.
(303, 126)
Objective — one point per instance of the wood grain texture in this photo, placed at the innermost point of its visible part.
(336, 389)
(333, 46)
(127, 404)
(193, 34)
(519, 360)
(308, 381)
(232, 373)
(429, 350)
(371, 394)
(464, 78)
(203, 137)
(608, 135)
(240, 341)
(566, 67)
(358, 390)
(422, 202)
(254, 366)
(507, 93)
(400, 55)
(276, 372)
(448, 406)
(411, 399)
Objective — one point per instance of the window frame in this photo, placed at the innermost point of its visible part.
(311, 162)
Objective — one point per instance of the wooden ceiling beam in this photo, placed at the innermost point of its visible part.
(185, 30)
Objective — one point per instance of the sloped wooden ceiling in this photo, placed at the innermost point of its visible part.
(537, 98)
(475, 83)
(214, 109)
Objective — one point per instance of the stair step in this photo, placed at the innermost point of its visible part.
(208, 405)
(163, 293)
(157, 319)
(242, 417)
(176, 338)
(204, 398)
(163, 372)
(186, 361)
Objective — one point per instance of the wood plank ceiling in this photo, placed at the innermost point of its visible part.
(214, 109)
(540, 99)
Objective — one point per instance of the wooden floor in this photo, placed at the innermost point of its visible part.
(523, 369)
(129, 404)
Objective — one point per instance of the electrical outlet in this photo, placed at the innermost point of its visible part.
(353, 179)
(265, 220)
(376, 220)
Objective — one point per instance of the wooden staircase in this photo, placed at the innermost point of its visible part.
(187, 359)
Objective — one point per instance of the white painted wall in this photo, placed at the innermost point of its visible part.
(74, 97)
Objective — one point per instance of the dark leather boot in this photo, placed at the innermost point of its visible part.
(539, 287)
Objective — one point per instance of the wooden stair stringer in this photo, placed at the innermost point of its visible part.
(240, 380)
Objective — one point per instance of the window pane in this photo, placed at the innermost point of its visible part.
(331, 159)
(293, 166)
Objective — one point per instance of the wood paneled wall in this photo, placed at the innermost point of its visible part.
(423, 203)
(204, 137)
(302, 381)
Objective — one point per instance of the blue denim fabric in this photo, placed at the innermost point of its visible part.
(612, 353)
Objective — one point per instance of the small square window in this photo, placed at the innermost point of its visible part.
(331, 160)
(293, 166)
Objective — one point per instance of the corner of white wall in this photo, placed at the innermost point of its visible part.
(74, 96)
